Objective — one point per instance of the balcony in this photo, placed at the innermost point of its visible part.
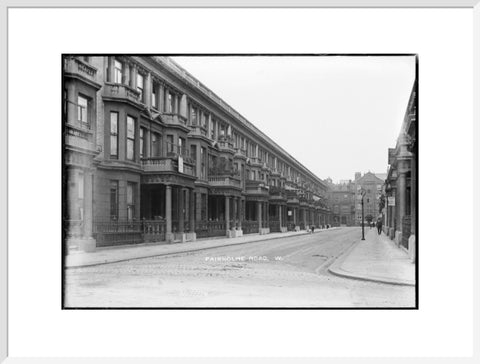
(239, 152)
(224, 181)
(119, 92)
(77, 68)
(256, 161)
(258, 188)
(226, 144)
(277, 193)
(175, 120)
(174, 151)
(79, 137)
(165, 164)
(292, 197)
(197, 130)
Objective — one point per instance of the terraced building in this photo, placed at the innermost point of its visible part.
(151, 154)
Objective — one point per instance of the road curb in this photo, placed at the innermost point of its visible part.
(336, 269)
(186, 251)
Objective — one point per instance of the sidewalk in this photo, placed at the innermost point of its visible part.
(377, 259)
(123, 253)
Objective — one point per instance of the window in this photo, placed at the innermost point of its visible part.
(170, 102)
(156, 140)
(181, 146)
(154, 96)
(193, 119)
(213, 135)
(130, 138)
(113, 200)
(82, 109)
(193, 155)
(131, 201)
(203, 160)
(170, 146)
(117, 72)
(113, 135)
(142, 142)
(140, 85)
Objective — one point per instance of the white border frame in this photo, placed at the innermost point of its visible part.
(6, 4)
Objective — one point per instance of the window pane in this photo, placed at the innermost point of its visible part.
(113, 146)
(82, 108)
(154, 97)
(113, 134)
(113, 122)
(170, 103)
(142, 142)
(130, 146)
(118, 72)
(130, 127)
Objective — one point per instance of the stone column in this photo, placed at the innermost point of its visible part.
(126, 74)
(148, 90)
(259, 215)
(209, 125)
(161, 98)
(305, 218)
(294, 215)
(402, 186)
(413, 195)
(183, 106)
(133, 81)
(168, 213)
(181, 210)
(192, 210)
(71, 104)
(88, 205)
(239, 212)
(111, 69)
(280, 215)
(234, 212)
(266, 213)
(227, 213)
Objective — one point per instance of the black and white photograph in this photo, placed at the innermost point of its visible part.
(229, 182)
(240, 181)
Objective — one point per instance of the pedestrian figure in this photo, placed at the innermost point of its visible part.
(313, 228)
(379, 226)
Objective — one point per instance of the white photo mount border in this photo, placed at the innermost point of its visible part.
(4, 182)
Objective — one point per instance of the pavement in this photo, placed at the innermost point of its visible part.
(376, 259)
(107, 255)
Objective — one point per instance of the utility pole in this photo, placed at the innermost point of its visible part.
(362, 191)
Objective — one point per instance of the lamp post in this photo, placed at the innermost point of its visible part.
(363, 192)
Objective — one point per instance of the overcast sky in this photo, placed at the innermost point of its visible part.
(336, 115)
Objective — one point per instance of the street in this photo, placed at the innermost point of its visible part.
(287, 272)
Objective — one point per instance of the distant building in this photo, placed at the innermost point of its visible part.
(342, 202)
(400, 186)
(372, 184)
